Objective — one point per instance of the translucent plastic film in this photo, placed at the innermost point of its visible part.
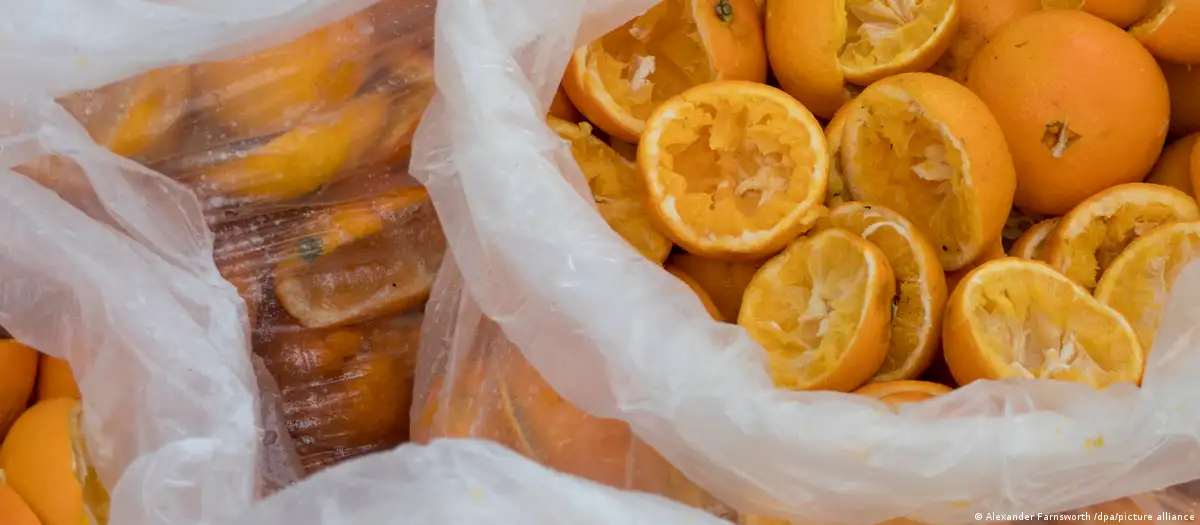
(110, 267)
(60, 47)
(463, 482)
(117, 245)
(298, 152)
(619, 338)
(475, 384)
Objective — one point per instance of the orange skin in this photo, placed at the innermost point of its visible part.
(1055, 67)
(304, 159)
(939, 373)
(132, 116)
(930, 286)
(14, 510)
(455, 408)
(412, 75)
(978, 19)
(1063, 249)
(896, 393)
(39, 463)
(723, 282)
(968, 358)
(313, 260)
(1195, 170)
(274, 89)
(735, 49)
(1177, 39)
(964, 367)
(652, 166)
(1175, 167)
(614, 188)
(18, 371)
(561, 107)
(1183, 82)
(866, 350)
(982, 141)
(1122, 13)
(55, 379)
(345, 391)
(810, 73)
(954, 277)
(705, 300)
(295, 354)
(577, 84)
(1029, 245)
(836, 191)
(501, 397)
(936, 47)
(354, 220)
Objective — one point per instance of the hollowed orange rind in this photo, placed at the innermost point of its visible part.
(1138, 282)
(821, 310)
(616, 189)
(1170, 32)
(928, 148)
(733, 170)
(361, 260)
(1017, 318)
(916, 320)
(618, 80)
(817, 46)
(1091, 236)
(1031, 244)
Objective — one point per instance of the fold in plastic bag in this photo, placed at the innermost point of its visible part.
(475, 384)
(116, 275)
(461, 482)
(620, 338)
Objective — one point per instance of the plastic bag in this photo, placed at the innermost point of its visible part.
(619, 338)
(109, 264)
(345, 391)
(477, 385)
(298, 153)
(462, 482)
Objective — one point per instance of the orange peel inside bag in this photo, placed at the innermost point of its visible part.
(617, 337)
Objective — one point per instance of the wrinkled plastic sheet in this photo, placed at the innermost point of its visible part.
(462, 481)
(62, 46)
(620, 338)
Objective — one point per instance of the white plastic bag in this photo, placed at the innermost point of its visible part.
(461, 482)
(618, 337)
(110, 265)
(63, 46)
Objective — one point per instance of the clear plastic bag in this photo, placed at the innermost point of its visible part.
(476, 384)
(620, 338)
(112, 265)
(461, 482)
(298, 153)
